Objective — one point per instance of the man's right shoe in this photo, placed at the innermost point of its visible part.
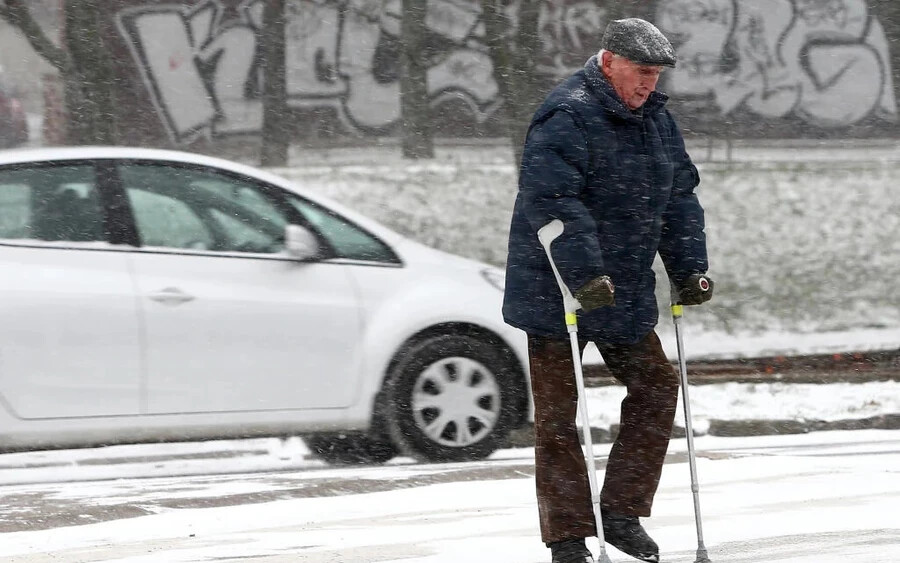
(570, 551)
(626, 534)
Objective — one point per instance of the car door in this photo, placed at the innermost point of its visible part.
(69, 338)
(232, 322)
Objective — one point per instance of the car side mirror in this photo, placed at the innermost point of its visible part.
(300, 243)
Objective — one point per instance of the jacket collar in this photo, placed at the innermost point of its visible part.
(610, 100)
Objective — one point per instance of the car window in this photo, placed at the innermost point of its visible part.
(167, 222)
(202, 210)
(52, 203)
(347, 240)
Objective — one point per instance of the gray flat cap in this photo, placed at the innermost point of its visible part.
(639, 41)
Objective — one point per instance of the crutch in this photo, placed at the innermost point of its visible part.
(547, 234)
(677, 314)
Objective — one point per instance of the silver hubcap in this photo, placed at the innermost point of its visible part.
(456, 402)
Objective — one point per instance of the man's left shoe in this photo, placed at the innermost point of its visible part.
(570, 551)
(626, 534)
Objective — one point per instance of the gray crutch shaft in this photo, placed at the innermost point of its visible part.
(677, 314)
(547, 234)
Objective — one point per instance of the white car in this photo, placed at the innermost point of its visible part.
(152, 295)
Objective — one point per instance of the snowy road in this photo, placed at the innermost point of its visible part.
(823, 497)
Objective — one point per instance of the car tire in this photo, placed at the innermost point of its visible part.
(350, 449)
(452, 398)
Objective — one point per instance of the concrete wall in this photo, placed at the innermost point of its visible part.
(748, 68)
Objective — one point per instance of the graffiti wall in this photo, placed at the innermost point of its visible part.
(747, 67)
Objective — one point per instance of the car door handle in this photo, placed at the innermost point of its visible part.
(171, 296)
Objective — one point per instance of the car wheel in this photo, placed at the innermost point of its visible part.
(452, 398)
(348, 449)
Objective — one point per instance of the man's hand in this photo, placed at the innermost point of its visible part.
(695, 290)
(599, 292)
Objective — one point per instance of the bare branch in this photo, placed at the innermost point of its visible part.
(18, 15)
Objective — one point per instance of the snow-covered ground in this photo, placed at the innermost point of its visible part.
(828, 497)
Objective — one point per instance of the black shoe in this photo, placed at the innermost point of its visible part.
(626, 534)
(570, 551)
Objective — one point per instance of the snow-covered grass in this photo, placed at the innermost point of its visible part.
(802, 241)
(764, 401)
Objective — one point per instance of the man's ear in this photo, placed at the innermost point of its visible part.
(605, 60)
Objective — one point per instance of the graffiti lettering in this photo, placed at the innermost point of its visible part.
(198, 74)
(200, 70)
(825, 61)
(567, 32)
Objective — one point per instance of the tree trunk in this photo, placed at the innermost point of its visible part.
(89, 84)
(415, 112)
(18, 15)
(514, 47)
(275, 126)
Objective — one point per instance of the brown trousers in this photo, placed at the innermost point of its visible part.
(636, 459)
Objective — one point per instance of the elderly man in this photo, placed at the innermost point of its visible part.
(605, 157)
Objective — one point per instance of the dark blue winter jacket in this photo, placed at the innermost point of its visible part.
(623, 186)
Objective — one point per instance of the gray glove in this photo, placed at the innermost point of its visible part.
(598, 292)
(696, 289)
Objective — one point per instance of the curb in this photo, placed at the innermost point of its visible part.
(524, 437)
(850, 367)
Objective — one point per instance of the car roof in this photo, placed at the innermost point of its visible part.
(22, 155)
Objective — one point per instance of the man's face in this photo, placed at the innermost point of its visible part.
(632, 82)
